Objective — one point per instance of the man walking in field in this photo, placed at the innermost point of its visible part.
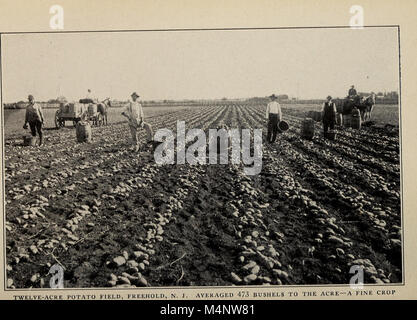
(328, 115)
(274, 116)
(135, 116)
(34, 117)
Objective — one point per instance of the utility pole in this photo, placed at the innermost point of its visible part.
(298, 90)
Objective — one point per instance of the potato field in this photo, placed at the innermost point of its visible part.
(111, 217)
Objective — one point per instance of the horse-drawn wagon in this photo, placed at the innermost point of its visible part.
(86, 110)
(365, 106)
(69, 112)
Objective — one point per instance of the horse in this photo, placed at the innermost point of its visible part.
(102, 109)
(339, 110)
(367, 106)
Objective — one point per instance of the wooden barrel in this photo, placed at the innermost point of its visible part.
(83, 130)
(63, 107)
(76, 109)
(347, 120)
(356, 120)
(307, 128)
(92, 109)
(311, 114)
(29, 140)
(73, 108)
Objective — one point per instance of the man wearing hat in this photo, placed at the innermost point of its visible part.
(134, 114)
(274, 115)
(352, 92)
(329, 115)
(91, 97)
(34, 117)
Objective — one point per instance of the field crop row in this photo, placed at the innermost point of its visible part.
(112, 217)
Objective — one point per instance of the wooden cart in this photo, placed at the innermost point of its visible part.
(69, 112)
(75, 112)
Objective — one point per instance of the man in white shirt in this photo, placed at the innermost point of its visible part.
(274, 116)
(135, 116)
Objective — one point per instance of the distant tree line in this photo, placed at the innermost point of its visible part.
(281, 97)
(381, 97)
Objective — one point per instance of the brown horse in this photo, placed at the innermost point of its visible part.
(102, 109)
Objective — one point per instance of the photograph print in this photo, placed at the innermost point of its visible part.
(201, 158)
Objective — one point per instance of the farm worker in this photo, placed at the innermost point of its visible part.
(328, 114)
(135, 116)
(352, 92)
(34, 117)
(274, 115)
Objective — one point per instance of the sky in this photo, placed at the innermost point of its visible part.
(304, 63)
